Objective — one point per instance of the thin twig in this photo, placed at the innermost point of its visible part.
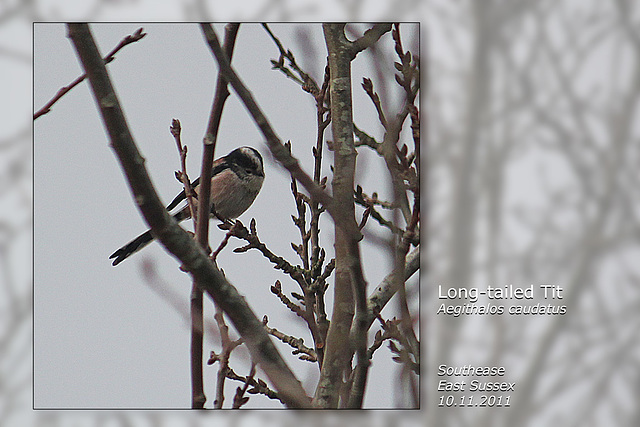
(369, 38)
(253, 242)
(176, 129)
(370, 203)
(314, 301)
(387, 288)
(409, 74)
(296, 273)
(309, 236)
(131, 38)
(367, 85)
(223, 244)
(308, 354)
(227, 347)
(239, 399)
(198, 398)
(365, 139)
(276, 289)
(300, 222)
(305, 81)
(258, 386)
(323, 119)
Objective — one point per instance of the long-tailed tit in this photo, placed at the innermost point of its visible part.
(236, 180)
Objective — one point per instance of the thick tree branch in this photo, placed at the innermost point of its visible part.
(173, 237)
(350, 285)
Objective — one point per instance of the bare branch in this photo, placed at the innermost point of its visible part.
(131, 38)
(239, 399)
(253, 242)
(182, 174)
(297, 343)
(228, 346)
(276, 289)
(367, 85)
(257, 385)
(307, 83)
(370, 37)
(388, 288)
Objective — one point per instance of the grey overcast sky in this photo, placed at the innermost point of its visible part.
(102, 337)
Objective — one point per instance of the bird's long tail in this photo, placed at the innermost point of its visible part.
(132, 247)
(142, 240)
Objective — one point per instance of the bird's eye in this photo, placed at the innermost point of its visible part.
(249, 171)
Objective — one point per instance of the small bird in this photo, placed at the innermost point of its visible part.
(236, 180)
